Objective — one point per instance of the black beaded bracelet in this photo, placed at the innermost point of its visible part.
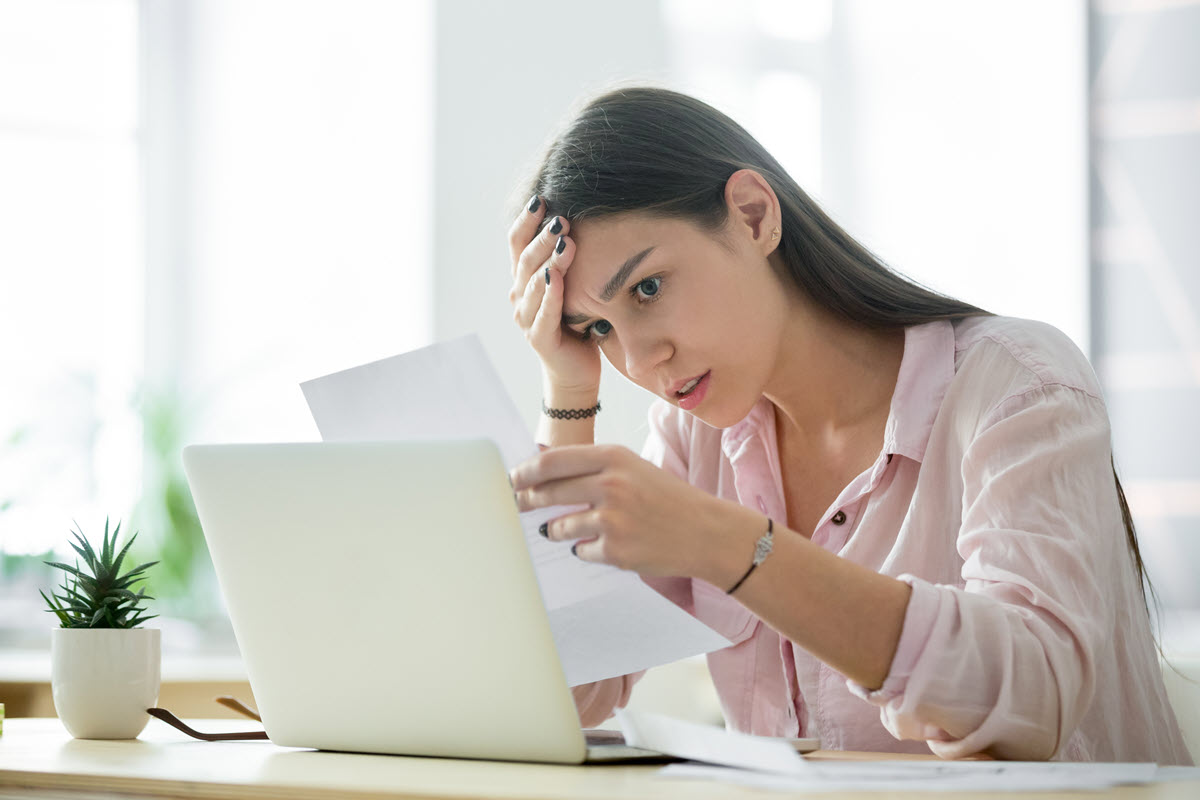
(570, 413)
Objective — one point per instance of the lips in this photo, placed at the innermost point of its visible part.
(696, 389)
(690, 383)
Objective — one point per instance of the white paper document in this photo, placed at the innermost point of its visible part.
(1169, 774)
(929, 776)
(710, 744)
(606, 622)
(768, 763)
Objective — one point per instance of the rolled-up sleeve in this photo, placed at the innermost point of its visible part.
(1006, 663)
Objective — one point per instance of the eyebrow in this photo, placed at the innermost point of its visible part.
(614, 284)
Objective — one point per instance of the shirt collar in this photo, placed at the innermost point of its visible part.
(926, 370)
(925, 374)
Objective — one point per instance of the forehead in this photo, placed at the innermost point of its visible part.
(602, 246)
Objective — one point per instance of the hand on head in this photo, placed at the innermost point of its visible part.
(540, 260)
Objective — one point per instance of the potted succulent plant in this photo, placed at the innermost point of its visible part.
(105, 670)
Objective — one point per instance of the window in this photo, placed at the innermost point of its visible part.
(71, 285)
(205, 203)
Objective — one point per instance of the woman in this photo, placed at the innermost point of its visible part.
(900, 509)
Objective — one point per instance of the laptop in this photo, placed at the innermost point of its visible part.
(384, 600)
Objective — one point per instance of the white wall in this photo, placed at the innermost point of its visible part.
(295, 195)
(960, 148)
(506, 74)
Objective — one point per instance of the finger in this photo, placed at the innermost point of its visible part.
(539, 252)
(547, 323)
(563, 252)
(586, 524)
(559, 261)
(523, 228)
(531, 300)
(573, 491)
(542, 249)
(541, 246)
(589, 550)
(565, 462)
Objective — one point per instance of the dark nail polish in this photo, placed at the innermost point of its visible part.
(547, 276)
(562, 245)
(576, 544)
(542, 530)
(556, 227)
(535, 204)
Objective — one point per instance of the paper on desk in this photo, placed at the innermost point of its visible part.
(710, 744)
(929, 776)
(769, 763)
(1168, 774)
(606, 621)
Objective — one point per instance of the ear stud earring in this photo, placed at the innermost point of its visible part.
(775, 233)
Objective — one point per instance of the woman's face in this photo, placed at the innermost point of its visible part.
(668, 304)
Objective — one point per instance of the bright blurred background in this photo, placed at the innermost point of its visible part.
(205, 202)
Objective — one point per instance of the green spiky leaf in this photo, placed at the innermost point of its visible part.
(106, 547)
(121, 556)
(57, 608)
(100, 595)
(65, 568)
(89, 555)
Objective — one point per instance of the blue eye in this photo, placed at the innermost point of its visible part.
(644, 291)
(599, 329)
(648, 287)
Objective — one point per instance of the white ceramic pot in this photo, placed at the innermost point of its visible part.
(104, 679)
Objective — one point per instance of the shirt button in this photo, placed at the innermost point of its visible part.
(839, 517)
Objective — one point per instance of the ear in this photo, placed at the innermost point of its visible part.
(754, 214)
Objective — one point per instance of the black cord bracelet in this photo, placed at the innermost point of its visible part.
(570, 413)
(762, 549)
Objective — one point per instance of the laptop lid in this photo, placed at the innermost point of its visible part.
(383, 598)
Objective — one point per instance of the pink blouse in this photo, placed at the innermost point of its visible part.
(993, 497)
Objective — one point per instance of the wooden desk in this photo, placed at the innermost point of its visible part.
(189, 684)
(38, 754)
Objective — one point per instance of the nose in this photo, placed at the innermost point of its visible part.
(643, 354)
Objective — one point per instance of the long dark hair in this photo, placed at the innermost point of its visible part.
(662, 153)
